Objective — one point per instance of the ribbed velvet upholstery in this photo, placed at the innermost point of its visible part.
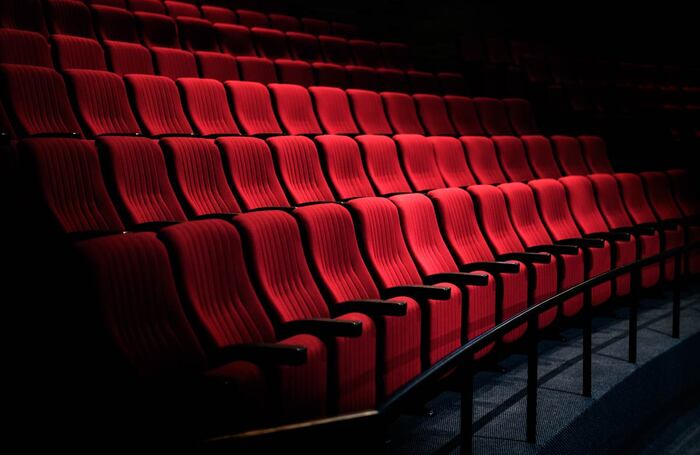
(252, 107)
(295, 72)
(174, 63)
(270, 43)
(522, 119)
(333, 110)
(418, 161)
(294, 109)
(434, 116)
(102, 102)
(493, 116)
(251, 172)
(136, 170)
(483, 160)
(451, 161)
(215, 65)
(300, 170)
(367, 53)
(257, 69)
(197, 34)
(197, 172)
(285, 282)
(382, 163)
(68, 180)
(595, 154)
(464, 116)
(156, 101)
(342, 161)
(23, 47)
(304, 46)
(369, 112)
(128, 58)
(284, 22)
(252, 18)
(401, 110)
(73, 52)
(115, 24)
(235, 40)
(218, 14)
(207, 106)
(66, 17)
(567, 151)
(511, 155)
(541, 157)
(336, 50)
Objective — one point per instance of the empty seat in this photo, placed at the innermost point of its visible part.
(369, 111)
(73, 52)
(483, 161)
(662, 202)
(304, 47)
(115, 24)
(450, 159)
(422, 82)
(219, 15)
(270, 43)
(362, 77)
(289, 290)
(315, 26)
(206, 103)
(197, 34)
(595, 154)
(336, 50)
(157, 105)
(637, 205)
(526, 221)
(402, 114)
(295, 72)
(555, 214)
(493, 116)
(511, 155)
(182, 9)
(434, 116)
(102, 103)
(584, 209)
(214, 65)
(110, 3)
(38, 99)
(174, 63)
(616, 214)
(24, 48)
(252, 107)
(217, 291)
(379, 227)
(147, 6)
(138, 178)
(24, 15)
(330, 74)
(382, 163)
(521, 116)
(418, 161)
(343, 165)
(128, 58)
(465, 239)
(335, 256)
(541, 157)
(344, 29)
(464, 116)
(567, 151)
(498, 229)
(433, 259)
(198, 175)
(300, 170)
(333, 110)
(391, 80)
(67, 179)
(284, 22)
(235, 40)
(294, 109)
(67, 17)
(131, 282)
(396, 55)
(367, 53)
(158, 30)
(251, 172)
(252, 18)
(256, 69)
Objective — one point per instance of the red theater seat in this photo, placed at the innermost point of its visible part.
(541, 157)
(67, 17)
(401, 111)
(257, 69)
(333, 110)
(336, 50)
(493, 116)
(521, 116)
(595, 154)
(182, 9)
(567, 151)
(235, 40)
(418, 162)
(367, 53)
(295, 72)
(369, 111)
(304, 47)
(342, 161)
(219, 15)
(284, 23)
(206, 103)
(434, 116)
(315, 26)
(449, 155)
(483, 161)
(270, 43)
(382, 163)
(157, 104)
(294, 109)
(511, 155)
(128, 58)
(73, 52)
(252, 107)
(115, 24)
(24, 48)
(252, 18)
(464, 116)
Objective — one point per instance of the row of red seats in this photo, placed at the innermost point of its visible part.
(203, 55)
(62, 16)
(413, 248)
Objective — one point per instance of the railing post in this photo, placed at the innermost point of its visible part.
(676, 330)
(587, 343)
(466, 379)
(634, 302)
(532, 360)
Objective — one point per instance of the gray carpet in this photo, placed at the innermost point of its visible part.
(625, 396)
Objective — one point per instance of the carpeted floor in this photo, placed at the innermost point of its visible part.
(625, 396)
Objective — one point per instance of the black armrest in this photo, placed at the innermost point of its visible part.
(583, 243)
(282, 208)
(528, 258)
(371, 307)
(610, 236)
(418, 292)
(492, 267)
(555, 249)
(458, 279)
(280, 354)
(322, 328)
